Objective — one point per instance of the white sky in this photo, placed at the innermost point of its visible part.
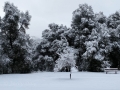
(44, 12)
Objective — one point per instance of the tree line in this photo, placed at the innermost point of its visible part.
(92, 43)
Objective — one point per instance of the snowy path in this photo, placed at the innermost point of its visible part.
(60, 81)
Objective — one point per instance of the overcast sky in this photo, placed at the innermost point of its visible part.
(44, 12)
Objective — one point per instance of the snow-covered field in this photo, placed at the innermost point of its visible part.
(60, 81)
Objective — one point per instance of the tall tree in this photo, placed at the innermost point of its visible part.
(15, 44)
(82, 24)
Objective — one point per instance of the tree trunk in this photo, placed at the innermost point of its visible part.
(70, 72)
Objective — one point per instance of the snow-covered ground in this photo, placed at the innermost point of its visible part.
(60, 81)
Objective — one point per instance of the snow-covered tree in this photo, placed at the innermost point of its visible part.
(66, 59)
(15, 41)
(98, 47)
(53, 42)
(82, 25)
